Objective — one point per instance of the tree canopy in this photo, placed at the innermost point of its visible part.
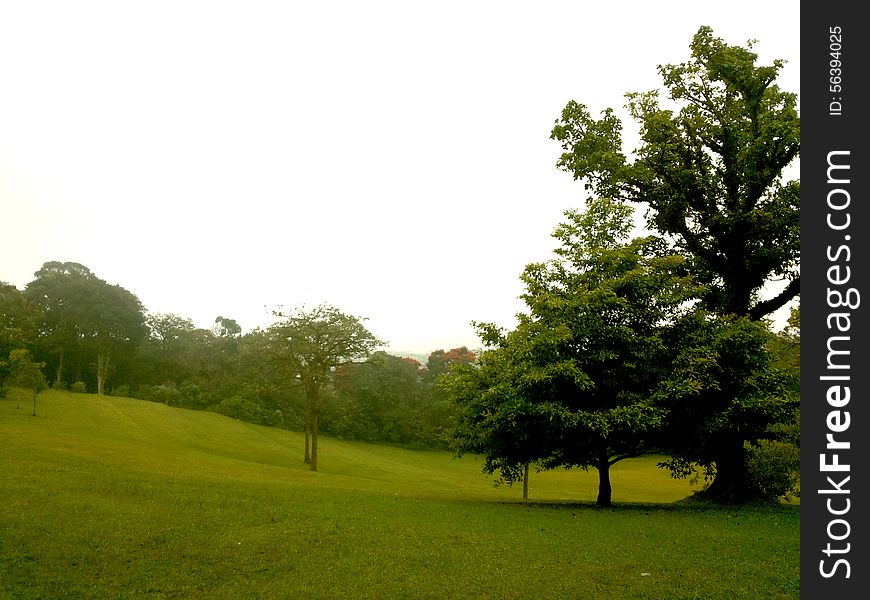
(84, 318)
(710, 169)
(311, 344)
(573, 384)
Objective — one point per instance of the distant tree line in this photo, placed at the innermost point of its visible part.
(83, 334)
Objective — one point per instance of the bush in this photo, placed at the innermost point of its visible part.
(243, 410)
(122, 391)
(193, 396)
(774, 468)
(167, 394)
(78, 387)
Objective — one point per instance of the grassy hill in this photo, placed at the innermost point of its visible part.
(106, 497)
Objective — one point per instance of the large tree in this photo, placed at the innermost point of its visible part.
(710, 168)
(311, 344)
(84, 317)
(61, 291)
(724, 396)
(114, 325)
(574, 383)
(167, 330)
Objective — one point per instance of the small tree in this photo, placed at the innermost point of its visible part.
(311, 344)
(501, 409)
(18, 319)
(26, 375)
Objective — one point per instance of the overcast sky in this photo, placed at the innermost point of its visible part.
(390, 158)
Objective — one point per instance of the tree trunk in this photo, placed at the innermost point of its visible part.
(605, 491)
(59, 379)
(35, 394)
(307, 435)
(526, 482)
(314, 426)
(731, 483)
(102, 368)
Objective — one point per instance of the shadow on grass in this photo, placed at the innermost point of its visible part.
(689, 504)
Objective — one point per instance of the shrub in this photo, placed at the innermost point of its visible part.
(78, 387)
(775, 468)
(243, 410)
(167, 394)
(122, 391)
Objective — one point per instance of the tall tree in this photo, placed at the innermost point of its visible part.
(61, 292)
(114, 324)
(85, 316)
(573, 384)
(166, 330)
(224, 327)
(710, 168)
(311, 344)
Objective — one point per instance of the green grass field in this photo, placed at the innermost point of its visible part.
(106, 497)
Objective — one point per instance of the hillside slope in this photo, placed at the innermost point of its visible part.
(138, 438)
(117, 498)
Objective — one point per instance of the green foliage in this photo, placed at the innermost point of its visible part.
(167, 330)
(572, 385)
(83, 320)
(244, 410)
(121, 391)
(18, 320)
(78, 387)
(785, 347)
(723, 392)
(226, 328)
(709, 167)
(383, 399)
(774, 468)
(309, 345)
(167, 393)
(25, 374)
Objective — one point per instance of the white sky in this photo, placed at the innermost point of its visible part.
(390, 158)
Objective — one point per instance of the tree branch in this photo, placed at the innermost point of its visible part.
(768, 306)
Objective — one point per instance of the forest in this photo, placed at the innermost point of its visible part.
(88, 335)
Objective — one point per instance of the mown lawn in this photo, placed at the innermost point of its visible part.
(118, 498)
